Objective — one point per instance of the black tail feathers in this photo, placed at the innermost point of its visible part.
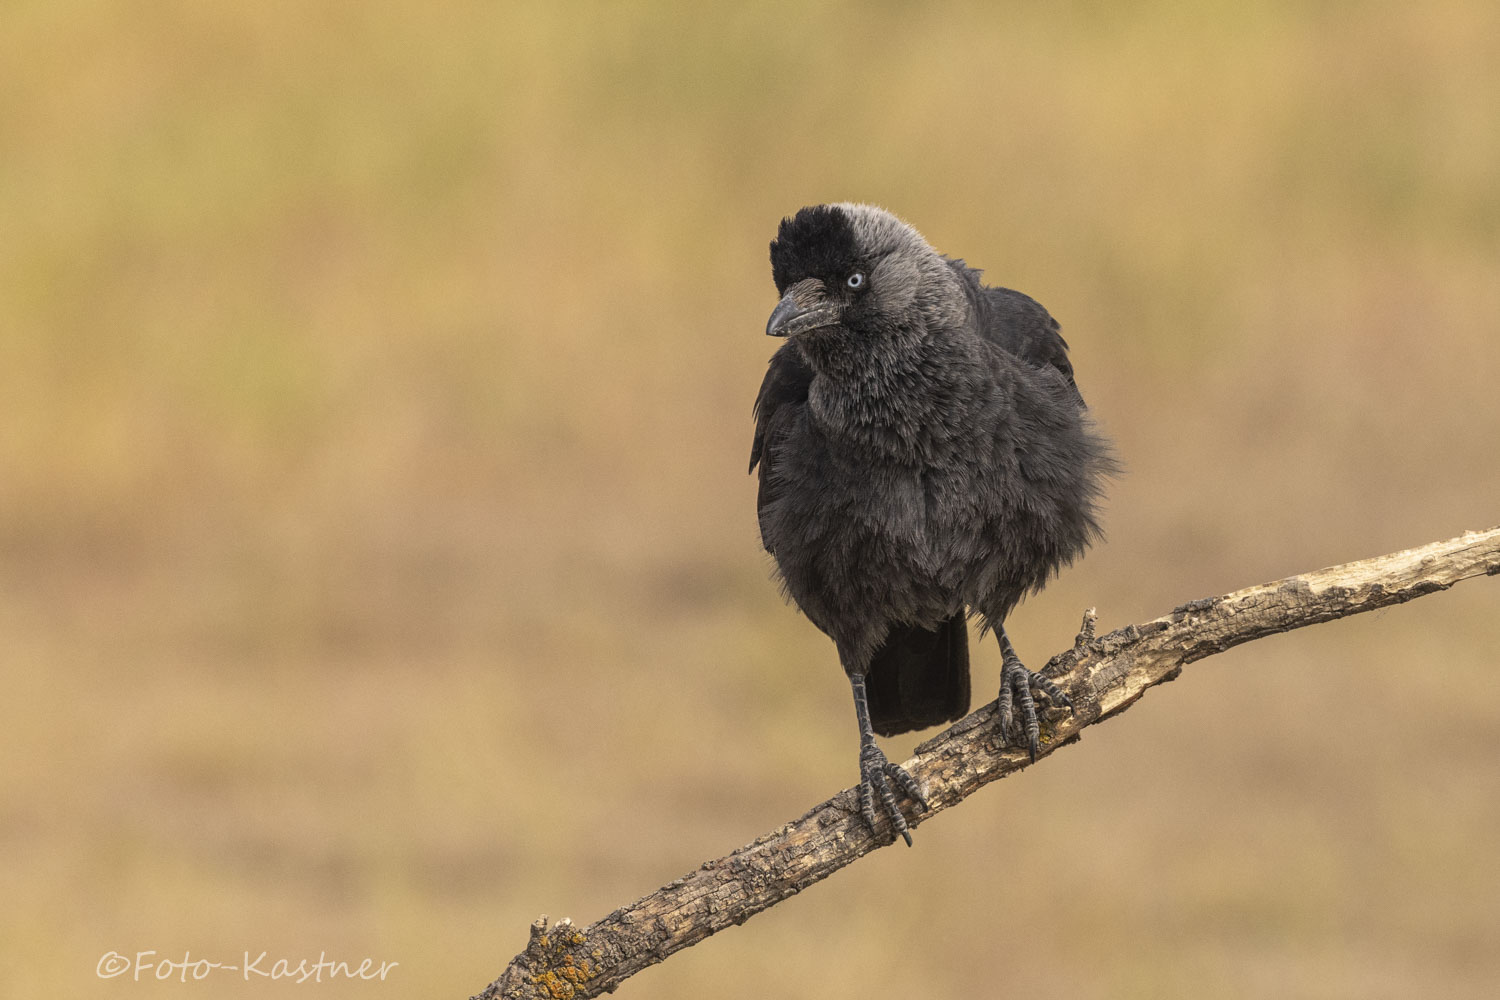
(919, 678)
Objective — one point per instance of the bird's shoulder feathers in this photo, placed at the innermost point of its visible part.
(1017, 324)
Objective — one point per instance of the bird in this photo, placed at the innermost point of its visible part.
(925, 456)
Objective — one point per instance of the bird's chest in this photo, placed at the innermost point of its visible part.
(887, 521)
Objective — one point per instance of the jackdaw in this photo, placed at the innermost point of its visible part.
(924, 456)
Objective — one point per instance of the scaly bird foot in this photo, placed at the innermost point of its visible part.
(1016, 683)
(876, 775)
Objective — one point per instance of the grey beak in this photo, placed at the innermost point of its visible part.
(793, 315)
(786, 310)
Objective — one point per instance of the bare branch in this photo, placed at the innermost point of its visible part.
(1104, 676)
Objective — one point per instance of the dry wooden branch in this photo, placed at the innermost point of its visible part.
(1104, 676)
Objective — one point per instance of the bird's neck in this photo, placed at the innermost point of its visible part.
(910, 403)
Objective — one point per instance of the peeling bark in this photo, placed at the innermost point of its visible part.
(1103, 676)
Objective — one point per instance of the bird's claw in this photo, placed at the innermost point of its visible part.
(876, 775)
(1016, 682)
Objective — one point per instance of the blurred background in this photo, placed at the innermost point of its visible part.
(379, 570)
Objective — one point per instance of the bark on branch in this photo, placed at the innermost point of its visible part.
(1104, 676)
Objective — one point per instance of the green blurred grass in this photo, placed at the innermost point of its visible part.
(377, 567)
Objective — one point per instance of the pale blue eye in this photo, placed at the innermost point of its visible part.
(856, 280)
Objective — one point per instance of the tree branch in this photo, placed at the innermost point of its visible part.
(1104, 676)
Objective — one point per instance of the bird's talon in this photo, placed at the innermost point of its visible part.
(877, 774)
(1016, 683)
(908, 785)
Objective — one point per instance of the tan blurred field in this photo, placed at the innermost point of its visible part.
(378, 567)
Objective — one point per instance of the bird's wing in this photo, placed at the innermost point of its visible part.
(1019, 325)
(783, 392)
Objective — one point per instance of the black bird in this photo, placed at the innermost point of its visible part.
(924, 455)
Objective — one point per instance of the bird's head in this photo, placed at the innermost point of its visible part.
(855, 275)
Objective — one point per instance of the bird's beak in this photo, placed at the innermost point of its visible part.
(804, 307)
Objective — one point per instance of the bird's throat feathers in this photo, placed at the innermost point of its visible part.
(904, 399)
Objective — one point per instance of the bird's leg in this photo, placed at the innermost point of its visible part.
(876, 773)
(1016, 683)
